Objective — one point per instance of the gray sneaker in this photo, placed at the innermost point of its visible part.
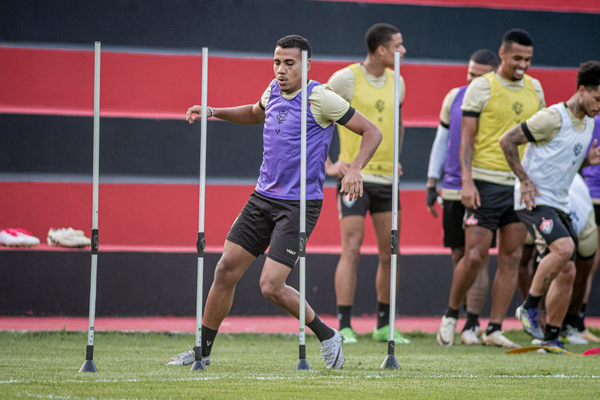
(332, 350)
(187, 357)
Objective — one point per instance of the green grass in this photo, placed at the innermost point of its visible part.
(254, 366)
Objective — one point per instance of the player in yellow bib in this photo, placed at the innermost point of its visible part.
(493, 103)
(369, 88)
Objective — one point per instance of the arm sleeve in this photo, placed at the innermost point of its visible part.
(437, 158)
(539, 91)
(445, 111)
(327, 106)
(342, 82)
(264, 99)
(543, 126)
(476, 97)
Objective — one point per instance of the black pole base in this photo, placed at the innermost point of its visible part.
(198, 365)
(88, 366)
(390, 362)
(302, 364)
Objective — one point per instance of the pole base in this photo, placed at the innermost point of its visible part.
(390, 362)
(302, 364)
(88, 366)
(198, 365)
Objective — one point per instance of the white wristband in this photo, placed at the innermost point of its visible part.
(212, 113)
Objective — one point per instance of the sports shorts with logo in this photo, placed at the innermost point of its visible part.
(497, 206)
(452, 222)
(266, 221)
(376, 198)
(547, 224)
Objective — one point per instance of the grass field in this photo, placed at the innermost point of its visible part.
(256, 366)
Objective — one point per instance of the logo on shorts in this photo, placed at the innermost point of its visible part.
(471, 221)
(347, 202)
(546, 226)
(291, 252)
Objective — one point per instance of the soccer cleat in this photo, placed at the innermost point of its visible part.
(531, 323)
(10, 238)
(445, 334)
(67, 237)
(471, 337)
(383, 335)
(552, 346)
(187, 357)
(571, 335)
(332, 350)
(349, 335)
(497, 339)
(589, 336)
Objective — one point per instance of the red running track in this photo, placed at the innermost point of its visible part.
(230, 324)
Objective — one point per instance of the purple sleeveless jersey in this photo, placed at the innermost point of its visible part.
(591, 175)
(452, 175)
(280, 171)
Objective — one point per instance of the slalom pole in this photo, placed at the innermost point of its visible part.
(88, 365)
(390, 361)
(198, 364)
(302, 363)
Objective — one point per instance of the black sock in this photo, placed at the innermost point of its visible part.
(472, 321)
(344, 315)
(571, 320)
(551, 332)
(493, 328)
(581, 318)
(531, 301)
(208, 338)
(322, 331)
(452, 313)
(383, 314)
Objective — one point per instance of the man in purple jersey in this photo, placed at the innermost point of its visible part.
(271, 217)
(591, 175)
(444, 159)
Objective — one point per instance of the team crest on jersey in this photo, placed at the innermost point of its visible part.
(546, 226)
(282, 116)
(347, 202)
(380, 105)
(471, 221)
(577, 149)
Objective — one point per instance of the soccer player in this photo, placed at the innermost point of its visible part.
(493, 103)
(444, 158)
(558, 138)
(272, 214)
(369, 88)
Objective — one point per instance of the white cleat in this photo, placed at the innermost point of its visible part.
(497, 339)
(571, 335)
(333, 352)
(445, 334)
(471, 337)
(187, 357)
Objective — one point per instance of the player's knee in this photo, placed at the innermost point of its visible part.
(473, 259)
(270, 290)
(225, 273)
(563, 249)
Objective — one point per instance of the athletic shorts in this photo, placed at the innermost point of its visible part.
(597, 212)
(546, 224)
(452, 222)
(376, 198)
(266, 221)
(497, 206)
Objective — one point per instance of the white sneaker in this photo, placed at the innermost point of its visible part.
(17, 237)
(29, 239)
(332, 350)
(67, 237)
(571, 335)
(445, 334)
(497, 339)
(187, 357)
(471, 337)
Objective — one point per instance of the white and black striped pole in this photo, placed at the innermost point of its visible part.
(390, 361)
(200, 244)
(302, 363)
(88, 365)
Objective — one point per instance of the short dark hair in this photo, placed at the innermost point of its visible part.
(518, 36)
(589, 75)
(379, 34)
(294, 41)
(485, 57)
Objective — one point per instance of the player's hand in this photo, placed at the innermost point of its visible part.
(470, 195)
(352, 184)
(339, 169)
(594, 153)
(193, 114)
(528, 192)
(432, 196)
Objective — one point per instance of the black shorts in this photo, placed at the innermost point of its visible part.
(497, 206)
(266, 221)
(597, 212)
(546, 224)
(452, 222)
(376, 198)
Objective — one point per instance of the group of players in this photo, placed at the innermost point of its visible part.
(360, 99)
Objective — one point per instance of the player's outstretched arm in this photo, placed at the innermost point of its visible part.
(371, 137)
(250, 114)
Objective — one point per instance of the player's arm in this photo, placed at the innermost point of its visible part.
(371, 137)
(509, 142)
(249, 114)
(470, 195)
(339, 168)
(437, 159)
(593, 157)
